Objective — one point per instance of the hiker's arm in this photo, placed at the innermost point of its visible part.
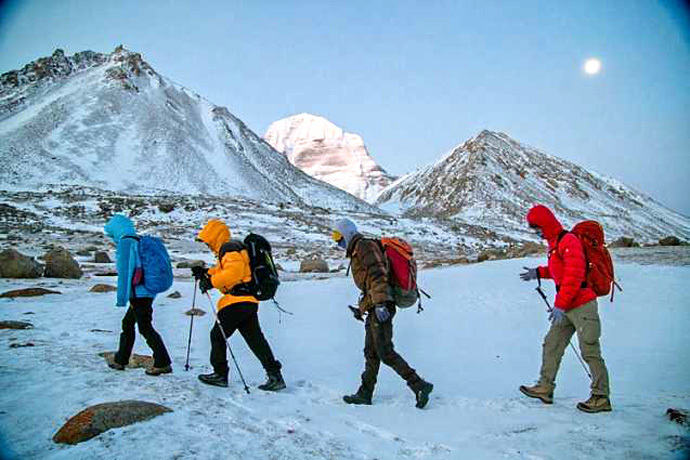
(573, 271)
(377, 284)
(122, 264)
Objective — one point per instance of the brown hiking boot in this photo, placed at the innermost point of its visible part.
(539, 392)
(155, 371)
(595, 403)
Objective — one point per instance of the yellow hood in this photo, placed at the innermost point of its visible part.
(215, 233)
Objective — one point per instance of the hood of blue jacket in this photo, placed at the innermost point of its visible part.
(119, 226)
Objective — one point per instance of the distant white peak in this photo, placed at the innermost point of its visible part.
(285, 134)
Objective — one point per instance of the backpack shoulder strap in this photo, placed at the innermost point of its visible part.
(230, 246)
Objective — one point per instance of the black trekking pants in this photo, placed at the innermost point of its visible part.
(378, 347)
(140, 312)
(245, 317)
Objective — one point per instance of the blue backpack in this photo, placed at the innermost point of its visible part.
(157, 273)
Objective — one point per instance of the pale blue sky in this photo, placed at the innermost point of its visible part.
(415, 79)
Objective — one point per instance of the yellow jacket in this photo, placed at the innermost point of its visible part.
(232, 269)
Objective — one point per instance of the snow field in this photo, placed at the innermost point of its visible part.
(478, 339)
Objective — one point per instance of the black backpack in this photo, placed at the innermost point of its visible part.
(265, 281)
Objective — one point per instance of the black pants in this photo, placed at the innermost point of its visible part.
(378, 347)
(243, 316)
(140, 312)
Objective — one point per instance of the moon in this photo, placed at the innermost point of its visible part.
(592, 66)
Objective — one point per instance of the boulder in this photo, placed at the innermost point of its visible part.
(103, 288)
(670, 241)
(623, 242)
(102, 257)
(135, 361)
(84, 253)
(195, 312)
(22, 345)
(175, 295)
(313, 266)
(61, 264)
(166, 207)
(16, 265)
(30, 292)
(97, 419)
(190, 264)
(15, 325)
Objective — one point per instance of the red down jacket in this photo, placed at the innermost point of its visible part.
(567, 263)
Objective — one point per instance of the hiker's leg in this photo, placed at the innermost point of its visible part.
(371, 359)
(127, 337)
(251, 331)
(229, 320)
(554, 346)
(588, 325)
(382, 334)
(143, 312)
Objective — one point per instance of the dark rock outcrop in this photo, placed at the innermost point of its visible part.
(61, 264)
(16, 265)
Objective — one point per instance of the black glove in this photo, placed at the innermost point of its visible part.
(205, 284)
(199, 272)
(356, 313)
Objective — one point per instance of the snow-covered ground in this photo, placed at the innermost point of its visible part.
(477, 341)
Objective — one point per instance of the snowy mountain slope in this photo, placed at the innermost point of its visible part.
(493, 180)
(326, 152)
(475, 410)
(111, 121)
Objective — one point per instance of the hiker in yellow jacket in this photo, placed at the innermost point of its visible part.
(237, 309)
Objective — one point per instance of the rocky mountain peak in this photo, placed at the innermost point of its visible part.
(325, 151)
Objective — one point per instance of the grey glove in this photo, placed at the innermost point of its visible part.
(382, 313)
(557, 316)
(530, 274)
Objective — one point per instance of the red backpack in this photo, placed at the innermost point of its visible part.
(403, 272)
(599, 275)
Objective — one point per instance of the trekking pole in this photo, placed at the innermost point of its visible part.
(222, 331)
(191, 325)
(550, 310)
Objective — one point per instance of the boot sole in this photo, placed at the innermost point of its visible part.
(541, 398)
(214, 384)
(593, 411)
(421, 404)
(356, 403)
(277, 388)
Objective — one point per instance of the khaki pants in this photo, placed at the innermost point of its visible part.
(584, 320)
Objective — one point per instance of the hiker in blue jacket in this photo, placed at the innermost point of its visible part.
(129, 290)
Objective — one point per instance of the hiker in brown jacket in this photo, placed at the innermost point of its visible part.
(370, 273)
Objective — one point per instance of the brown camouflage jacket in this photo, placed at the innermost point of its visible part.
(369, 271)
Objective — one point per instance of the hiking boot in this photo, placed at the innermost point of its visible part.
(362, 397)
(422, 395)
(214, 379)
(595, 403)
(539, 392)
(116, 366)
(274, 382)
(155, 371)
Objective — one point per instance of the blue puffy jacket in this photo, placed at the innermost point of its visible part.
(128, 259)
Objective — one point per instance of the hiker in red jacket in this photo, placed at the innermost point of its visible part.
(575, 310)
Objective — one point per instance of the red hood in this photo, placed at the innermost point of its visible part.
(542, 217)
